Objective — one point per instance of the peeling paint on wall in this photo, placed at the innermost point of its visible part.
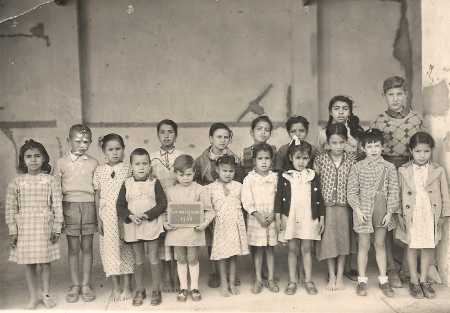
(10, 135)
(37, 31)
(436, 99)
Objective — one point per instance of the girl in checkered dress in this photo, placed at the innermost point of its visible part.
(33, 213)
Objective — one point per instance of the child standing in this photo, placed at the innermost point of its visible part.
(162, 168)
(140, 205)
(230, 237)
(187, 241)
(117, 256)
(373, 194)
(334, 166)
(261, 130)
(75, 171)
(33, 214)
(425, 207)
(299, 212)
(258, 195)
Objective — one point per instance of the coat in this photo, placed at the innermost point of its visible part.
(437, 189)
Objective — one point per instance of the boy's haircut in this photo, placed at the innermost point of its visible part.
(421, 138)
(372, 135)
(353, 121)
(302, 146)
(168, 122)
(110, 137)
(183, 162)
(139, 151)
(31, 144)
(217, 126)
(226, 159)
(336, 129)
(262, 118)
(295, 120)
(80, 128)
(262, 147)
(394, 82)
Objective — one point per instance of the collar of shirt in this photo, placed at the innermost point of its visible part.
(164, 153)
(74, 157)
(421, 167)
(379, 160)
(271, 177)
(305, 175)
(398, 115)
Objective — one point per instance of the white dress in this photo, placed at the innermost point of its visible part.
(300, 224)
(422, 226)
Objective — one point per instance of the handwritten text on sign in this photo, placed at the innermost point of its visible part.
(185, 214)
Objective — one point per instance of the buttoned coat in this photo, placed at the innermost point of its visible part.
(437, 189)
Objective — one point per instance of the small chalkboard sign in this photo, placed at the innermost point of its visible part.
(185, 214)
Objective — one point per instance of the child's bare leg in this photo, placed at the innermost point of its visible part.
(153, 247)
(340, 272)
(214, 280)
(174, 275)
(307, 259)
(86, 248)
(426, 257)
(380, 250)
(223, 277)
(73, 244)
(233, 265)
(116, 288)
(412, 264)
(392, 270)
(363, 251)
(167, 281)
(32, 284)
(258, 253)
(292, 260)
(270, 262)
(126, 289)
(49, 302)
(331, 274)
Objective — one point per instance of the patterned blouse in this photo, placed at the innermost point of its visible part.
(333, 180)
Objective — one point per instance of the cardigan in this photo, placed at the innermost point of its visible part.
(283, 197)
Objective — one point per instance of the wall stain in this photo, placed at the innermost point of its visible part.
(435, 99)
(37, 31)
(10, 135)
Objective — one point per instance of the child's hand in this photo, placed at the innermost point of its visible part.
(386, 219)
(322, 225)
(168, 227)
(361, 217)
(260, 218)
(100, 226)
(13, 241)
(54, 237)
(270, 218)
(137, 219)
(200, 227)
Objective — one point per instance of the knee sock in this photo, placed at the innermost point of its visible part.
(194, 271)
(182, 274)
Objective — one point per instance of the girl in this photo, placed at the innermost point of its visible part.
(296, 126)
(425, 207)
(340, 110)
(261, 130)
(334, 166)
(117, 257)
(258, 195)
(33, 213)
(187, 241)
(220, 137)
(299, 201)
(230, 237)
(162, 168)
(140, 205)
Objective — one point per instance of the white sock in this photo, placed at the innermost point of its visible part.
(383, 279)
(363, 279)
(194, 271)
(182, 274)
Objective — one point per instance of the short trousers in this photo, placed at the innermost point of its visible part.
(80, 218)
(186, 254)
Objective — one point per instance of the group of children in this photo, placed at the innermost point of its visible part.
(331, 201)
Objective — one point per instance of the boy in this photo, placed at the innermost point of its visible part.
(366, 177)
(398, 123)
(76, 171)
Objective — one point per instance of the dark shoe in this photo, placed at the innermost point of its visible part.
(387, 290)
(352, 275)
(361, 289)
(415, 291)
(394, 279)
(74, 294)
(404, 277)
(156, 297)
(87, 294)
(196, 295)
(139, 297)
(182, 295)
(291, 288)
(257, 287)
(272, 286)
(310, 288)
(428, 291)
(213, 281)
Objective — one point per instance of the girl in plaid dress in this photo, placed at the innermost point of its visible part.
(258, 195)
(33, 213)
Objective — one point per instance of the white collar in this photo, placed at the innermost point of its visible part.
(74, 157)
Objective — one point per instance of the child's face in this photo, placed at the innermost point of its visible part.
(34, 160)
(220, 139)
(373, 150)
(421, 153)
(261, 132)
(114, 152)
(263, 161)
(396, 99)
(79, 143)
(141, 166)
(186, 177)
(336, 144)
(299, 160)
(340, 111)
(225, 172)
(299, 130)
(167, 136)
